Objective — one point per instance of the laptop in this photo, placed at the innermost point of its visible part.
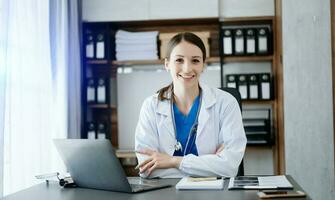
(93, 164)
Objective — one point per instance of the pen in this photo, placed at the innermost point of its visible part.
(197, 179)
(259, 187)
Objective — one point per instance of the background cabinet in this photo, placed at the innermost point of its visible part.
(250, 8)
(115, 10)
(130, 10)
(176, 9)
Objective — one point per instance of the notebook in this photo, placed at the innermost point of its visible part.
(208, 183)
(259, 182)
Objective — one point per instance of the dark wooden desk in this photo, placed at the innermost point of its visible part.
(53, 191)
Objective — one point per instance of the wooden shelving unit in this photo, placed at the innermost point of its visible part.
(258, 58)
(101, 106)
(248, 20)
(146, 62)
(258, 102)
(166, 26)
(273, 59)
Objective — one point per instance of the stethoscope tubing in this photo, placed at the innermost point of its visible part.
(192, 131)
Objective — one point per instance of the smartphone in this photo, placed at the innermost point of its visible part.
(278, 194)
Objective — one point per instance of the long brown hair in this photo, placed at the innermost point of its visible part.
(175, 40)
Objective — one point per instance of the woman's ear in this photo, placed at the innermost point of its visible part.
(166, 64)
(203, 68)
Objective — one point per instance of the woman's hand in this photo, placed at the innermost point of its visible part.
(157, 160)
(218, 151)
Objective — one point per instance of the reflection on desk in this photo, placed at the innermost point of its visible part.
(53, 191)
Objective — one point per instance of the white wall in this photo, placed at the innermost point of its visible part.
(308, 106)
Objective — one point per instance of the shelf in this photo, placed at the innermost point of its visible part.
(138, 62)
(257, 102)
(157, 62)
(97, 62)
(247, 19)
(101, 106)
(257, 58)
(125, 153)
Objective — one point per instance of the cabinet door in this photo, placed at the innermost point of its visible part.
(250, 8)
(177, 9)
(115, 10)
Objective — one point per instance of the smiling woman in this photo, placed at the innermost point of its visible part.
(189, 128)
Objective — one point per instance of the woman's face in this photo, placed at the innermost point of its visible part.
(185, 64)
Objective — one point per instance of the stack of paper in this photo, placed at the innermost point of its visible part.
(188, 183)
(136, 45)
(261, 182)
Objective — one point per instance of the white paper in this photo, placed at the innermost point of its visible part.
(101, 136)
(227, 48)
(100, 50)
(101, 94)
(231, 84)
(185, 184)
(278, 181)
(253, 91)
(251, 46)
(91, 135)
(239, 45)
(265, 90)
(262, 44)
(90, 94)
(89, 50)
(243, 91)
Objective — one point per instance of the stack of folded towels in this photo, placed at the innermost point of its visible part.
(136, 45)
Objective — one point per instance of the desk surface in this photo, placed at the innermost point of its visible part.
(53, 191)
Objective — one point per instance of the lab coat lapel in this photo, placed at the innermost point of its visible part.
(164, 109)
(208, 100)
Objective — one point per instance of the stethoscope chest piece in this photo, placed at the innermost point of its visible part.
(178, 146)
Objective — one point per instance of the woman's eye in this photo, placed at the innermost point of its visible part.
(179, 60)
(195, 60)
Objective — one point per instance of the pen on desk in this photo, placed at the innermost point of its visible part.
(259, 187)
(197, 179)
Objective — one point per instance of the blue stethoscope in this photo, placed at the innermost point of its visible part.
(191, 134)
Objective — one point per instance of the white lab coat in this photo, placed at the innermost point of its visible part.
(220, 122)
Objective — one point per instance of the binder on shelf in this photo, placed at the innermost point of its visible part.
(257, 126)
(101, 131)
(243, 86)
(101, 91)
(90, 91)
(263, 40)
(253, 86)
(265, 86)
(231, 80)
(227, 42)
(100, 46)
(250, 41)
(239, 42)
(89, 44)
(91, 130)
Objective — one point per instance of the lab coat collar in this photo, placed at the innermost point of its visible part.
(208, 100)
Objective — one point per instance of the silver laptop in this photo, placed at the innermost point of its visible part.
(93, 164)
